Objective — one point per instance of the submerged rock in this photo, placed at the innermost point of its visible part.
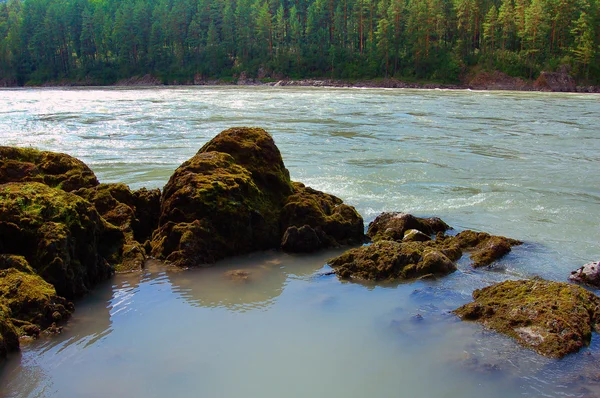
(485, 248)
(61, 235)
(313, 220)
(404, 249)
(390, 260)
(552, 318)
(56, 170)
(588, 274)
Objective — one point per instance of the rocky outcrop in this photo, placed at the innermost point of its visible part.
(555, 81)
(552, 318)
(588, 274)
(61, 235)
(56, 170)
(235, 196)
(409, 247)
(496, 80)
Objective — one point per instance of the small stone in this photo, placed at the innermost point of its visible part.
(588, 274)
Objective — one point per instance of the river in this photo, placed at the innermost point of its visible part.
(523, 165)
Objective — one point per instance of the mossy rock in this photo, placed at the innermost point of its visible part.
(333, 222)
(17, 262)
(9, 337)
(135, 213)
(394, 225)
(61, 235)
(552, 318)
(413, 253)
(31, 299)
(254, 149)
(211, 208)
(485, 248)
(395, 261)
(56, 170)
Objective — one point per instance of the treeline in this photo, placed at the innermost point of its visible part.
(101, 41)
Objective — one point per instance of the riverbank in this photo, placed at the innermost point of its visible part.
(546, 82)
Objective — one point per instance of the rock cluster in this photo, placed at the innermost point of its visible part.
(409, 247)
(61, 231)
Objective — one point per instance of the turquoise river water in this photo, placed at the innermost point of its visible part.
(523, 165)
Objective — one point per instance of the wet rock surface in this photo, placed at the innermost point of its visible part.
(388, 260)
(551, 318)
(409, 247)
(588, 274)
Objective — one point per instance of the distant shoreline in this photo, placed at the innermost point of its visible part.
(548, 82)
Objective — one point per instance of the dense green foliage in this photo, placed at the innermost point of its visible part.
(100, 41)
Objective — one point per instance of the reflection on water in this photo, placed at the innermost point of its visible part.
(274, 325)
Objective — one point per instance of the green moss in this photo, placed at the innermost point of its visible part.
(17, 262)
(216, 199)
(9, 337)
(392, 261)
(254, 149)
(56, 231)
(134, 213)
(340, 223)
(31, 299)
(552, 318)
(53, 169)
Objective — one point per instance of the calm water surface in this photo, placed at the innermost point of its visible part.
(523, 165)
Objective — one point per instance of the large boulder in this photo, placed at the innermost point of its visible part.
(212, 208)
(322, 219)
(135, 213)
(61, 235)
(56, 170)
(235, 196)
(552, 318)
